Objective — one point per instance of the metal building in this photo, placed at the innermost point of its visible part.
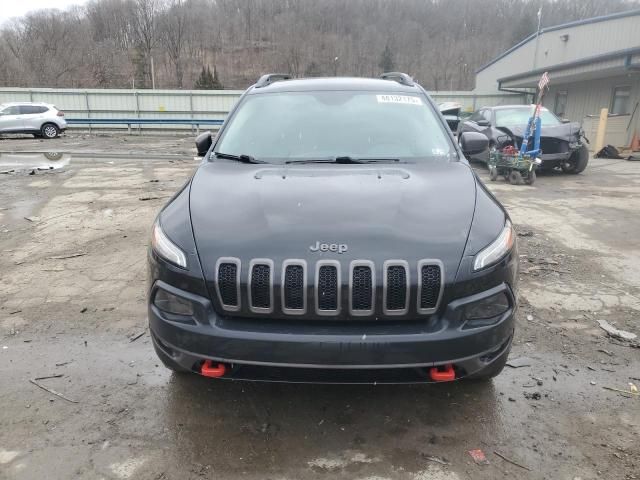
(593, 64)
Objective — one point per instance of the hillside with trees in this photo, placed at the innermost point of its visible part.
(215, 43)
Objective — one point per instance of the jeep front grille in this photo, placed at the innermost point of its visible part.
(429, 286)
(294, 287)
(396, 287)
(404, 290)
(327, 287)
(362, 288)
(261, 286)
(228, 283)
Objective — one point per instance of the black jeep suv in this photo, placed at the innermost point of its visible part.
(334, 232)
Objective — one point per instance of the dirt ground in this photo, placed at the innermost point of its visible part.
(72, 304)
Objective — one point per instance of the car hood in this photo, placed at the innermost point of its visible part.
(564, 131)
(381, 212)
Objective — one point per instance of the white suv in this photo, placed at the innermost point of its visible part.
(40, 119)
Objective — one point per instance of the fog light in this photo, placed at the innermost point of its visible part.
(170, 303)
(487, 308)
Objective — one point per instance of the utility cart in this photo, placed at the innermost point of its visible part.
(518, 165)
(514, 167)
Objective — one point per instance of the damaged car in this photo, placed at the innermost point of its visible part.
(563, 143)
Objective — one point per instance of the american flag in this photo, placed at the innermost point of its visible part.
(544, 81)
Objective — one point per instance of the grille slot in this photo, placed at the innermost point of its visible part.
(362, 287)
(328, 287)
(261, 286)
(430, 285)
(294, 287)
(228, 283)
(396, 287)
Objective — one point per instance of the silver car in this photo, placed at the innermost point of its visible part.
(39, 119)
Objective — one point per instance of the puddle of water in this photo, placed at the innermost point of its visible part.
(20, 162)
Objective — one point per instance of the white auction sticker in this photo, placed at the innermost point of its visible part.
(406, 99)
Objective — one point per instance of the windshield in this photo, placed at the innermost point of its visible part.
(280, 127)
(509, 117)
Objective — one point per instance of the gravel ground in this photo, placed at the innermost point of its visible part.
(72, 304)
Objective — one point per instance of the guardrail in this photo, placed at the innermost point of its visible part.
(143, 121)
(180, 109)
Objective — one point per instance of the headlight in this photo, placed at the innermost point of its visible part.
(166, 248)
(496, 250)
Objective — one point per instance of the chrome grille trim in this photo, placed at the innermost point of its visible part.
(303, 264)
(371, 265)
(323, 263)
(252, 263)
(385, 268)
(311, 273)
(422, 263)
(238, 263)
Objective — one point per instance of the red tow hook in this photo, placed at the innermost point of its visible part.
(444, 373)
(209, 369)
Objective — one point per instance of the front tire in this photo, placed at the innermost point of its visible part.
(577, 162)
(49, 130)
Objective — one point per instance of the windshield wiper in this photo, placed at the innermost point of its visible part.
(346, 160)
(238, 158)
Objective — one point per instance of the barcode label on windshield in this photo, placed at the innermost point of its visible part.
(406, 99)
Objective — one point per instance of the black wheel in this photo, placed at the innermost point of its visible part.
(492, 370)
(531, 178)
(493, 173)
(168, 362)
(577, 162)
(515, 177)
(49, 130)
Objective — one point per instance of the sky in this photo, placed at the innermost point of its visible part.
(17, 8)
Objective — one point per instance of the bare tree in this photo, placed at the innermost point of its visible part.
(173, 30)
(145, 15)
(108, 43)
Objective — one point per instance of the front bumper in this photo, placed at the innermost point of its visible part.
(303, 351)
(555, 157)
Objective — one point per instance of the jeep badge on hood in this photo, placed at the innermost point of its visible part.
(329, 247)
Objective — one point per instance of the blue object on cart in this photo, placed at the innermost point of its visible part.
(537, 124)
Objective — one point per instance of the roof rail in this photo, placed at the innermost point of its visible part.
(270, 78)
(399, 77)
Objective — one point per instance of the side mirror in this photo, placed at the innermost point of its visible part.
(483, 123)
(472, 143)
(565, 120)
(203, 143)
